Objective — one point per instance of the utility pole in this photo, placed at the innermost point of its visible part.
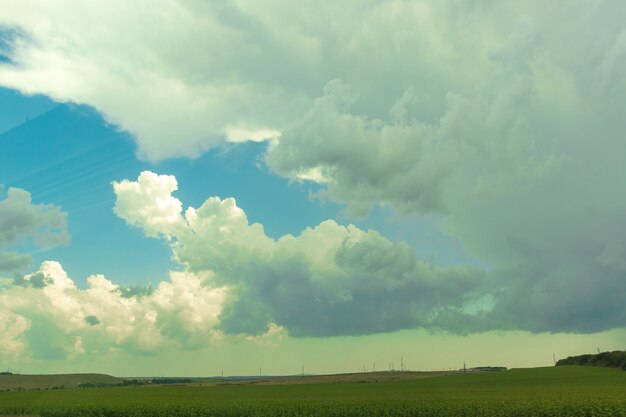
(374, 366)
(260, 373)
(222, 373)
(302, 370)
(401, 364)
(554, 359)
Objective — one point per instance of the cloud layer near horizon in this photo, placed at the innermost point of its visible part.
(237, 282)
(329, 280)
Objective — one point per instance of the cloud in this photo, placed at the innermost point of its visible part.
(12, 326)
(365, 161)
(237, 74)
(148, 203)
(34, 280)
(14, 261)
(503, 119)
(412, 158)
(241, 135)
(329, 280)
(20, 220)
(45, 316)
(337, 280)
(521, 167)
(254, 68)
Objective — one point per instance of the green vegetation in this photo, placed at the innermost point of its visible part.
(555, 391)
(615, 359)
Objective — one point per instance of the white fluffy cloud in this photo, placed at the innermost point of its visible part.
(148, 203)
(44, 315)
(329, 280)
(21, 220)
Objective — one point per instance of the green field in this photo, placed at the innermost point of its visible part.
(559, 391)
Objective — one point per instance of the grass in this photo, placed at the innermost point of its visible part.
(560, 391)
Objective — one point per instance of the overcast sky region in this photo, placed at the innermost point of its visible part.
(188, 187)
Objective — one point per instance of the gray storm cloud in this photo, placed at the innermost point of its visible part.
(502, 119)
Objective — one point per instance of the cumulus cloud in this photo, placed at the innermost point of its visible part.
(337, 280)
(46, 316)
(412, 159)
(329, 280)
(20, 219)
(148, 203)
(362, 160)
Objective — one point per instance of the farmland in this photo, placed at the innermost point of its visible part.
(559, 391)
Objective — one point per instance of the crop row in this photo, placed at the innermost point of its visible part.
(465, 408)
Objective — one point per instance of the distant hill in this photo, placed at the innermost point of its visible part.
(615, 359)
(30, 382)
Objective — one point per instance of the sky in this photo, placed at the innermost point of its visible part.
(196, 187)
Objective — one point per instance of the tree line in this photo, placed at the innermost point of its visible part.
(615, 359)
